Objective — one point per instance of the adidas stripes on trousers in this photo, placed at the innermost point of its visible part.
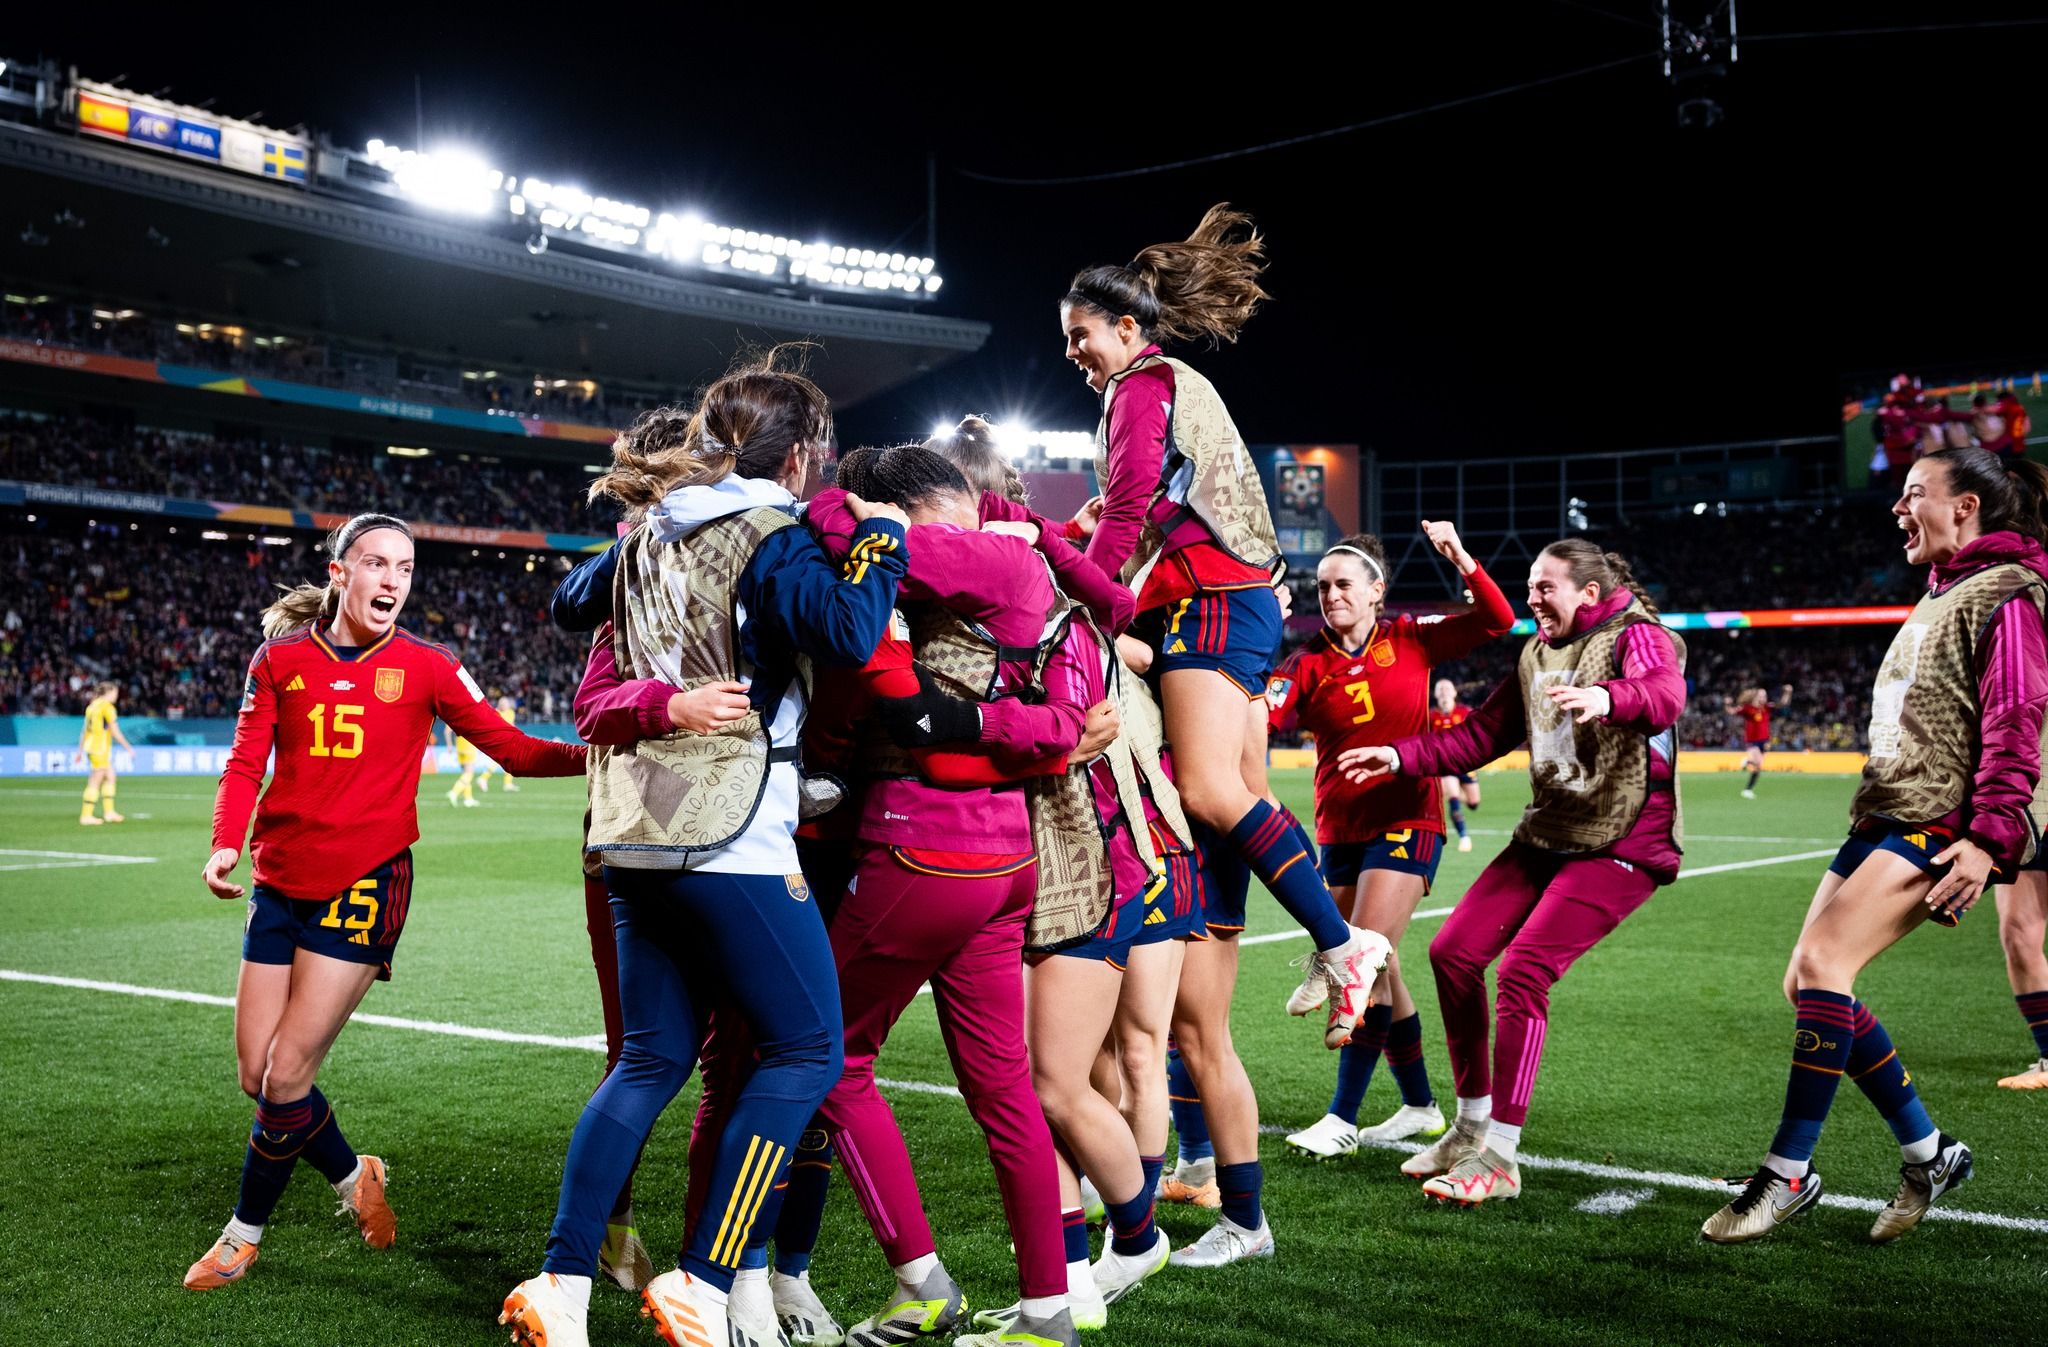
(1536, 913)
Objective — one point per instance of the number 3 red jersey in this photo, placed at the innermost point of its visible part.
(1375, 695)
(1349, 699)
(349, 731)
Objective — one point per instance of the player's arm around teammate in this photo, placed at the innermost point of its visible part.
(1953, 769)
(1366, 679)
(1599, 687)
(347, 700)
(715, 583)
(1184, 523)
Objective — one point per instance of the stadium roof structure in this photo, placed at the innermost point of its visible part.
(150, 229)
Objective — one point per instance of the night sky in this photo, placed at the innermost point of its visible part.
(1557, 269)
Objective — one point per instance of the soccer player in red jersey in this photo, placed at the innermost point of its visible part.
(1364, 679)
(1461, 789)
(347, 701)
(1754, 706)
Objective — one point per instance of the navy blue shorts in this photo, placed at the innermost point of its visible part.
(1233, 631)
(1918, 847)
(1178, 911)
(1411, 851)
(361, 924)
(1464, 778)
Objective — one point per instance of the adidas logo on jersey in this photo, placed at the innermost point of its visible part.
(1157, 915)
(925, 723)
(297, 684)
(1177, 648)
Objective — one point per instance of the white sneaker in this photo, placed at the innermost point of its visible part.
(750, 1311)
(1484, 1177)
(1093, 1209)
(1350, 972)
(683, 1315)
(1326, 1138)
(1410, 1120)
(623, 1256)
(1464, 844)
(1314, 988)
(470, 802)
(802, 1315)
(1058, 1331)
(1084, 1303)
(1749, 795)
(1466, 1139)
(511, 786)
(929, 1312)
(1117, 1274)
(1226, 1242)
(541, 1314)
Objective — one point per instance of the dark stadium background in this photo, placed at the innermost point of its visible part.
(1556, 270)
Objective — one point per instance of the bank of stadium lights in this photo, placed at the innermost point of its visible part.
(457, 181)
(1015, 441)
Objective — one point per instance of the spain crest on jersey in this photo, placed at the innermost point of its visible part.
(390, 684)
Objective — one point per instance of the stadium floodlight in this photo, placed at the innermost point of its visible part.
(940, 428)
(931, 285)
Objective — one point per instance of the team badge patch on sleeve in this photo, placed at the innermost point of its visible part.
(799, 888)
(390, 684)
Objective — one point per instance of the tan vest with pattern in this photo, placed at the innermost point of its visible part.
(1206, 471)
(1925, 715)
(963, 660)
(675, 607)
(1076, 880)
(1588, 783)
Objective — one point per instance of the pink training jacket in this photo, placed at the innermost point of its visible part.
(2012, 689)
(996, 580)
(1648, 698)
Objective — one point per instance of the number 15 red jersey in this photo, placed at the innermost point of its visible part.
(349, 731)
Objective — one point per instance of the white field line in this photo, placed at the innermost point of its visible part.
(1615, 1201)
(69, 860)
(1298, 934)
(595, 1043)
(74, 794)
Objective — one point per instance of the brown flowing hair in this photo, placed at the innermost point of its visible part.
(744, 425)
(297, 605)
(1201, 289)
(1587, 564)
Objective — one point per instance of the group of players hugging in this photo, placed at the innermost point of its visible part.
(913, 734)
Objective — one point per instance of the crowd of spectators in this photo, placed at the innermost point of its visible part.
(234, 348)
(174, 618)
(442, 488)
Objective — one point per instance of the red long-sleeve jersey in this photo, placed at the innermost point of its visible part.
(1756, 724)
(349, 733)
(1375, 695)
(1439, 721)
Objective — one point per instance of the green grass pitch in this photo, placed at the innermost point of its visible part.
(122, 1124)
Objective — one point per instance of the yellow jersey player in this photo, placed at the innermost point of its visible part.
(96, 743)
(465, 757)
(508, 709)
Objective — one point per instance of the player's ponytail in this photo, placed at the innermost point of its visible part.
(971, 447)
(1204, 288)
(745, 426)
(2012, 494)
(298, 605)
(1588, 565)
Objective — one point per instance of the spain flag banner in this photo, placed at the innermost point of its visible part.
(102, 116)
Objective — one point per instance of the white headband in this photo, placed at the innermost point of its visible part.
(1377, 573)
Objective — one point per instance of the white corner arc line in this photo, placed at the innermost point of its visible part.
(1297, 934)
(595, 1043)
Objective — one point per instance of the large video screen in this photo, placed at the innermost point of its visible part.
(1889, 421)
